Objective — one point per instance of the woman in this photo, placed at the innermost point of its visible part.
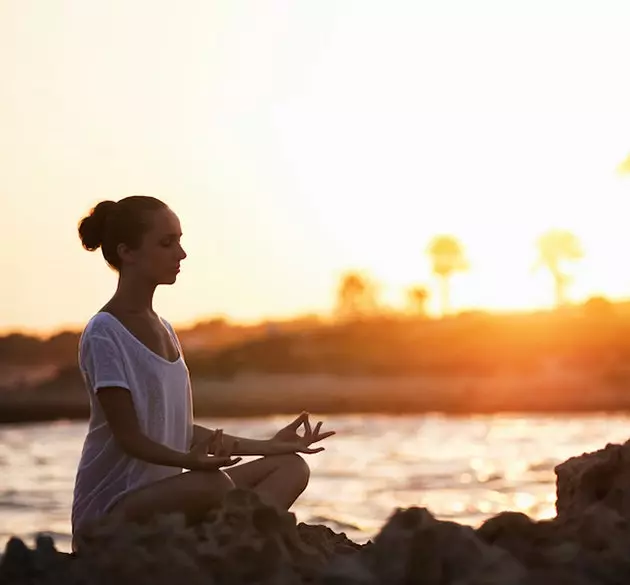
(141, 435)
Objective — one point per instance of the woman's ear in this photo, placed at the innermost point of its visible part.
(125, 253)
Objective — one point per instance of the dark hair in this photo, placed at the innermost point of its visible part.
(111, 223)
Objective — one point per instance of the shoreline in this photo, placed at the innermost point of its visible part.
(257, 395)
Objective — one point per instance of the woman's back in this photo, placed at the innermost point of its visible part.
(111, 356)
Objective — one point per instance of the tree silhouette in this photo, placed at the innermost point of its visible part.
(356, 296)
(417, 297)
(556, 249)
(447, 258)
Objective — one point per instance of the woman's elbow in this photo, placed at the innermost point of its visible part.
(129, 442)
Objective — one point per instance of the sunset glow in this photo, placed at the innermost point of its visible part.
(297, 140)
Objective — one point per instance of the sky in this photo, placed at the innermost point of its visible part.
(299, 139)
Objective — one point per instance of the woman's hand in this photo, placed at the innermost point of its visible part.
(222, 445)
(212, 453)
(287, 440)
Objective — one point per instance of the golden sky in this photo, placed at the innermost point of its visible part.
(296, 139)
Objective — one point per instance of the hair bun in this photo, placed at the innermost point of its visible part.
(92, 227)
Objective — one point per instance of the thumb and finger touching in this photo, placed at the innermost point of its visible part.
(215, 451)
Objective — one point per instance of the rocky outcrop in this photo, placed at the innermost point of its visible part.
(600, 478)
(247, 542)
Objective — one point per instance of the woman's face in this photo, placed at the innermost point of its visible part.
(158, 257)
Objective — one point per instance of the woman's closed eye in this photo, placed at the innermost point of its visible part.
(168, 242)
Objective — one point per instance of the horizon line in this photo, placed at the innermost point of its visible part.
(324, 317)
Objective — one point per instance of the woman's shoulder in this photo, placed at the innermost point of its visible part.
(100, 324)
(167, 324)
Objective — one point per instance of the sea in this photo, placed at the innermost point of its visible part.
(464, 469)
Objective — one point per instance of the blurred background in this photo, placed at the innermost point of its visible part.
(409, 218)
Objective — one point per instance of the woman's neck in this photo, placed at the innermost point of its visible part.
(133, 295)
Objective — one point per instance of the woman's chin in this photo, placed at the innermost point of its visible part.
(170, 279)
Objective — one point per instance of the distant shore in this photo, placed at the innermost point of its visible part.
(573, 360)
(266, 394)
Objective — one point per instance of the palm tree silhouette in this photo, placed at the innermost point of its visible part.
(417, 297)
(447, 258)
(356, 296)
(556, 249)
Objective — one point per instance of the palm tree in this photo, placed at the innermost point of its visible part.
(356, 296)
(447, 258)
(556, 249)
(417, 297)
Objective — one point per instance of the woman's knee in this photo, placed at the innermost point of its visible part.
(297, 467)
(212, 485)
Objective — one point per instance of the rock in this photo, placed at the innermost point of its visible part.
(326, 541)
(593, 511)
(17, 562)
(245, 541)
(527, 540)
(600, 477)
(415, 547)
(347, 570)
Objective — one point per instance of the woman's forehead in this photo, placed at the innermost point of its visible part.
(165, 222)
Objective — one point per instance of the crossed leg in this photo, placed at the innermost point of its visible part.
(278, 479)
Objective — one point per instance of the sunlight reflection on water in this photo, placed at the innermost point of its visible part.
(462, 469)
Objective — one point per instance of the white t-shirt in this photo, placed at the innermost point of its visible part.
(110, 355)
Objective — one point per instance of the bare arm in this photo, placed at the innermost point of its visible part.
(244, 446)
(123, 421)
(285, 441)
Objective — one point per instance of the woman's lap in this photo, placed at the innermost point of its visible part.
(190, 492)
(194, 492)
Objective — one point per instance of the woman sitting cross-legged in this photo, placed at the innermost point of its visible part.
(141, 437)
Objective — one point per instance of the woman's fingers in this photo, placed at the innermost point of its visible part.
(228, 447)
(233, 461)
(212, 463)
(216, 462)
(308, 432)
(217, 442)
(312, 450)
(295, 424)
(318, 427)
(323, 436)
(316, 435)
(203, 447)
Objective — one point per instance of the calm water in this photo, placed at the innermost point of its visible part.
(462, 469)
